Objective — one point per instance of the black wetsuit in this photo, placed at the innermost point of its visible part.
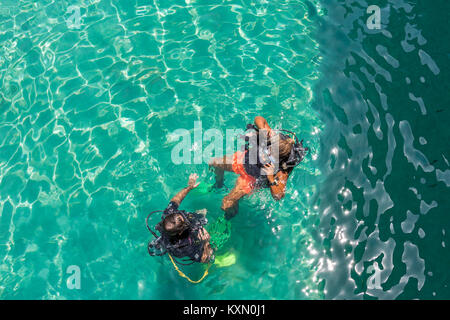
(188, 244)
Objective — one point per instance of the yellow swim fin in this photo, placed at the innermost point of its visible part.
(225, 260)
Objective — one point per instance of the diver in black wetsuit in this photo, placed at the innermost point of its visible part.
(182, 233)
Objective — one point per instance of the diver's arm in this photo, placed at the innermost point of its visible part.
(182, 194)
(278, 189)
(277, 182)
(262, 124)
(207, 250)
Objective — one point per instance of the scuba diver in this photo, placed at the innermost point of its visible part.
(267, 161)
(182, 234)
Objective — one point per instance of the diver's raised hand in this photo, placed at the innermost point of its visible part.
(192, 183)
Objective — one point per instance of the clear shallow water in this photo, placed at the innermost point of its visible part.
(86, 131)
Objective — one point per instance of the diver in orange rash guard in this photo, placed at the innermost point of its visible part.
(262, 173)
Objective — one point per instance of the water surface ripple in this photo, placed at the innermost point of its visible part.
(87, 121)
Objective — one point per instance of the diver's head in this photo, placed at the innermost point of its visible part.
(284, 146)
(174, 224)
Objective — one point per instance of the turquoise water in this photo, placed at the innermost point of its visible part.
(88, 111)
